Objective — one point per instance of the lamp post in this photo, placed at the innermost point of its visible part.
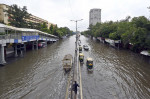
(76, 30)
(75, 60)
(76, 23)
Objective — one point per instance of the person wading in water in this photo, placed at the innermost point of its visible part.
(75, 85)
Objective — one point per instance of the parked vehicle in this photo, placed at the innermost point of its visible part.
(81, 57)
(67, 62)
(89, 63)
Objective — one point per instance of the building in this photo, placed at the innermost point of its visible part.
(35, 19)
(32, 18)
(94, 16)
(3, 14)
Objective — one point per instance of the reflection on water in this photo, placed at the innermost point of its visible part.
(39, 74)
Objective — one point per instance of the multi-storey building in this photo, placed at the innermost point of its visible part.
(3, 13)
(32, 18)
(94, 16)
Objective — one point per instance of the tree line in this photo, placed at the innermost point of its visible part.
(18, 17)
(135, 31)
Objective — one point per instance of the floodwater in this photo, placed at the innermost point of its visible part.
(117, 74)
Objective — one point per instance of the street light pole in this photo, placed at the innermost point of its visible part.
(76, 29)
(76, 26)
(75, 60)
(76, 23)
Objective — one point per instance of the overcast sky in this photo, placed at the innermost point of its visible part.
(60, 12)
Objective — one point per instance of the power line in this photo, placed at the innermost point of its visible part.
(71, 9)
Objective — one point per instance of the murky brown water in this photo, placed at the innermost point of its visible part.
(118, 74)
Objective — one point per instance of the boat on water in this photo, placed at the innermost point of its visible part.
(67, 62)
(89, 63)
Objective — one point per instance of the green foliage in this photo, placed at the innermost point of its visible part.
(34, 25)
(147, 41)
(140, 21)
(138, 38)
(114, 36)
(51, 28)
(136, 32)
(44, 25)
(44, 28)
(60, 32)
(17, 16)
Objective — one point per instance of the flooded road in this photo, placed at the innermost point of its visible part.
(117, 74)
(39, 74)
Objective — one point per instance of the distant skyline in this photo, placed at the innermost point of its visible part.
(60, 12)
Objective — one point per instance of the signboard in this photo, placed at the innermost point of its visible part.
(28, 38)
(15, 40)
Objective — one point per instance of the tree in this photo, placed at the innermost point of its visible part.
(140, 21)
(136, 32)
(127, 35)
(51, 28)
(139, 38)
(17, 16)
(44, 28)
(147, 41)
(114, 36)
(44, 25)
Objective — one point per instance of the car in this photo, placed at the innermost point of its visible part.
(85, 47)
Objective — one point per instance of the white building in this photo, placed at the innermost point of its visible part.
(94, 16)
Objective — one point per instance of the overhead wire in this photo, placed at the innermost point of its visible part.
(71, 9)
